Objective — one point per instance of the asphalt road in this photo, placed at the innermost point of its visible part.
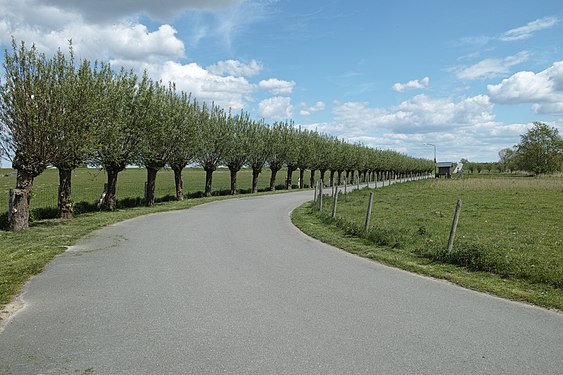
(232, 287)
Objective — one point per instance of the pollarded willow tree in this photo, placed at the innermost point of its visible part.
(276, 157)
(305, 154)
(291, 139)
(212, 132)
(185, 113)
(258, 135)
(29, 111)
(74, 142)
(126, 104)
(161, 135)
(238, 145)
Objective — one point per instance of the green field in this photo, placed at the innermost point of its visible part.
(509, 227)
(88, 185)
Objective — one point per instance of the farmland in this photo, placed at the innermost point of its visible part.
(88, 185)
(508, 238)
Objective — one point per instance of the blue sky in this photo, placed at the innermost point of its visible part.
(469, 77)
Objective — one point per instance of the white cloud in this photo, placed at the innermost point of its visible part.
(420, 114)
(309, 110)
(492, 67)
(277, 86)
(410, 85)
(276, 108)
(525, 32)
(543, 89)
(228, 92)
(236, 68)
(50, 28)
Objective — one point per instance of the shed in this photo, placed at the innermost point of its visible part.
(445, 169)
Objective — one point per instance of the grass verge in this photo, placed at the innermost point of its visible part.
(416, 255)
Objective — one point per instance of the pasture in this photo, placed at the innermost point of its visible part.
(88, 185)
(509, 227)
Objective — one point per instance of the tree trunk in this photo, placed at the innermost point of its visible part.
(339, 181)
(65, 193)
(110, 194)
(273, 179)
(151, 184)
(332, 172)
(19, 214)
(301, 178)
(255, 173)
(178, 181)
(322, 178)
(312, 178)
(234, 180)
(208, 180)
(289, 177)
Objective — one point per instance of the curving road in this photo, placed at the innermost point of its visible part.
(232, 287)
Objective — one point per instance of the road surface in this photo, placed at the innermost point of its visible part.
(232, 287)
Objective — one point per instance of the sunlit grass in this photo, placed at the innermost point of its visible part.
(509, 227)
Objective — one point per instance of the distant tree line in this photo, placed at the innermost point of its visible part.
(63, 113)
(540, 151)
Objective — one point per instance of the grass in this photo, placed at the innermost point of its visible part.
(24, 254)
(88, 184)
(508, 240)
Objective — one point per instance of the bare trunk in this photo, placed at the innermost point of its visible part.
(339, 178)
(322, 178)
(255, 174)
(234, 180)
(179, 182)
(289, 177)
(312, 178)
(65, 193)
(301, 178)
(332, 172)
(208, 180)
(151, 184)
(111, 202)
(19, 201)
(273, 179)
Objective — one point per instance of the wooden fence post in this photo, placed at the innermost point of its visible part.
(368, 214)
(454, 225)
(335, 201)
(321, 196)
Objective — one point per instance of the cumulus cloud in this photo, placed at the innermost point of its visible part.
(236, 68)
(276, 108)
(122, 40)
(309, 110)
(419, 114)
(411, 85)
(226, 91)
(277, 86)
(492, 67)
(544, 89)
(525, 32)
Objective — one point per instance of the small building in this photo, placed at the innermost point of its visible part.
(445, 169)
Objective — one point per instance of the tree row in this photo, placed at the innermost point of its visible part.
(62, 113)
